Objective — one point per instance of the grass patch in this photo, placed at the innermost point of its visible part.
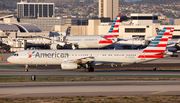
(97, 99)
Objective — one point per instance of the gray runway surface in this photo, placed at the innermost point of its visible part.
(76, 73)
(44, 71)
(57, 89)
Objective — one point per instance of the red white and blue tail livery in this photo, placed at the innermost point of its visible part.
(157, 47)
(114, 30)
(171, 32)
(115, 27)
(68, 31)
(157, 30)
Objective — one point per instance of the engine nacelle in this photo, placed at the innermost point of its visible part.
(69, 65)
(55, 46)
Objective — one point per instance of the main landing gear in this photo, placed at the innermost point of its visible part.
(26, 68)
(89, 69)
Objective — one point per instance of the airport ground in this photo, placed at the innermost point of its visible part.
(133, 83)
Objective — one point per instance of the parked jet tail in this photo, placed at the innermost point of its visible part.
(157, 30)
(157, 47)
(171, 32)
(114, 30)
(68, 31)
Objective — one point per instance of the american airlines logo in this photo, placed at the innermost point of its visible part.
(51, 55)
(31, 54)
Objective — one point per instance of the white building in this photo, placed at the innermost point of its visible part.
(144, 19)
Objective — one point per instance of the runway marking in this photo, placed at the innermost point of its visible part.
(8, 95)
(158, 92)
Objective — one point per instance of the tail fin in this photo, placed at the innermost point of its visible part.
(68, 31)
(171, 32)
(157, 47)
(157, 30)
(115, 27)
(114, 30)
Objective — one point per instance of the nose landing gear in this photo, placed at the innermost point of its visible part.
(26, 68)
(89, 69)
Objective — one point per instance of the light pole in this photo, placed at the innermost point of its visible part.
(61, 25)
(81, 23)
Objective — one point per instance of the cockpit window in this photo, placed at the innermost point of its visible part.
(15, 54)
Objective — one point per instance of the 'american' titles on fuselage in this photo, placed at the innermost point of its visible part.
(51, 55)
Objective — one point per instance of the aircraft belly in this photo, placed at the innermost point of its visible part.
(145, 60)
(90, 45)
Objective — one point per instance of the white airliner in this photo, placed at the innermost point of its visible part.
(93, 41)
(74, 59)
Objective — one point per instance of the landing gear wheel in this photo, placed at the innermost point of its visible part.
(26, 70)
(91, 69)
(87, 69)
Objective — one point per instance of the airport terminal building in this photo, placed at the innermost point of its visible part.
(139, 25)
(35, 9)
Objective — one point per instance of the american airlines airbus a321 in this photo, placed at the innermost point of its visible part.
(74, 59)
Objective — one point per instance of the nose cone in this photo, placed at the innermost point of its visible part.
(9, 59)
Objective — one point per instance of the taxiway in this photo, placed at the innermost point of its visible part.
(57, 89)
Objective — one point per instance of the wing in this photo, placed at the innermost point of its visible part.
(81, 60)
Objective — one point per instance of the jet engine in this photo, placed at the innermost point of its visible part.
(55, 46)
(69, 65)
(177, 46)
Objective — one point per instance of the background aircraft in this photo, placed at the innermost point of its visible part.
(91, 41)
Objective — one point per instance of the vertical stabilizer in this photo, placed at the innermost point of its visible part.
(157, 47)
(68, 31)
(115, 27)
(157, 31)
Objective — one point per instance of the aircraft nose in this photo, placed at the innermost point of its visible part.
(9, 59)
